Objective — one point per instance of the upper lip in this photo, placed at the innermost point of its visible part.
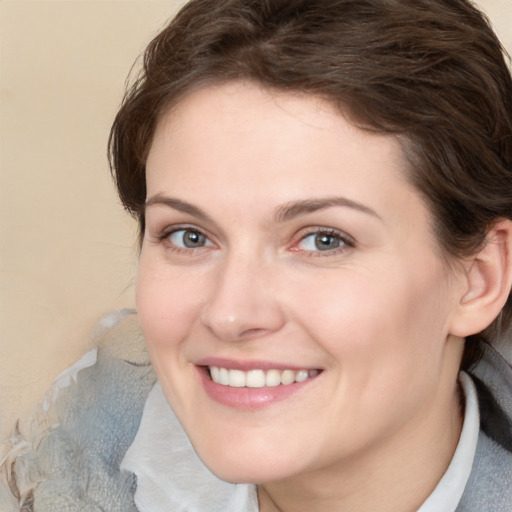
(247, 365)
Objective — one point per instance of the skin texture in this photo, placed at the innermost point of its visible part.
(376, 314)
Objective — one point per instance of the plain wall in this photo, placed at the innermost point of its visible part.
(67, 249)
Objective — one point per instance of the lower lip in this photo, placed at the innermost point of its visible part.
(249, 399)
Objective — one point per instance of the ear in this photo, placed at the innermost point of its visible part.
(487, 283)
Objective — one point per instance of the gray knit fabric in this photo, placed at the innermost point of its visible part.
(71, 464)
(79, 459)
(489, 488)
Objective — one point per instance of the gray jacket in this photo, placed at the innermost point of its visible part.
(69, 460)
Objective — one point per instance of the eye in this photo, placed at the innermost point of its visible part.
(188, 239)
(324, 241)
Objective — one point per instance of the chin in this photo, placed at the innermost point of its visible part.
(246, 473)
(235, 464)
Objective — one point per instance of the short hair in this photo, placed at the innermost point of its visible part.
(431, 72)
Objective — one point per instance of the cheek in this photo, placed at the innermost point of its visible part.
(391, 318)
(342, 308)
(385, 338)
(168, 308)
(167, 304)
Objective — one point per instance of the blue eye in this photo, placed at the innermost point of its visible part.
(322, 241)
(189, 239)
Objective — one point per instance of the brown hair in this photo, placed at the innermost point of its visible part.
(431, 71)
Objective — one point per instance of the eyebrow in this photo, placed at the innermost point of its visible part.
(179, 205)
(298, 208)
(283, 213)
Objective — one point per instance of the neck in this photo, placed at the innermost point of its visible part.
(398, 475)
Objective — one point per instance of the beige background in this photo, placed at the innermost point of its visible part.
(67, 251)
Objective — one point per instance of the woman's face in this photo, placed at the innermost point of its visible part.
(286, 256)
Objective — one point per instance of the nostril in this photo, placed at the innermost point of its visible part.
(252, 333)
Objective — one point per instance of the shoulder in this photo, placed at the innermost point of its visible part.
(69, 459)
(490, 484)
(493, 378)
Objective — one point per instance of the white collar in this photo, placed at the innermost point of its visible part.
(170, 476)
(448, 492)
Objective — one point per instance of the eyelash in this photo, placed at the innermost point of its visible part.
(346, 242)
(164, 237)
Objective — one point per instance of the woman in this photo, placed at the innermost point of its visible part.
(324, 194)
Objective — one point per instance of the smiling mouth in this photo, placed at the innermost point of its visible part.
(258, 378)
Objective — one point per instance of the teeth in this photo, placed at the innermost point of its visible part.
(272, 378)
(214, 373)
(301, 376)
(287, 377)
(258, 378)
(236, 379)
(255, 379)
(223, 376)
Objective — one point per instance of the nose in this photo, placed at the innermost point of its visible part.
(243, 302)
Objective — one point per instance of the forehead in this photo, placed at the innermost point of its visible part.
(241, 123)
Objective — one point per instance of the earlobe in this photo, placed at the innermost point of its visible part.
(488, 279)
